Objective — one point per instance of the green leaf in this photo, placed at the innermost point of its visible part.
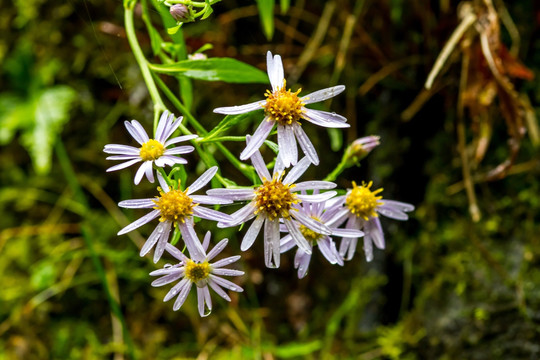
(225, 124)
(297, 349)
(284, 4)
(207, 13)
(51, 109)
(173, 30)
(214, 69)
(266, 13)
(14, 114)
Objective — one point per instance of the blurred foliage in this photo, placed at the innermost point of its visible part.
(445, 288)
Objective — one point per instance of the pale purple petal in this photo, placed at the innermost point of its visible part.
(169, 160)
(311, 223)
(242, 215)
(257, 138)
(206, 242)
(287, 145)
(368, 249)
(140, 222)
(162, 241)
(275, 70)
(172, 128)
(325, 119)
(171, 269)
(309, 185)
(298, 170)
(121, 149)
(123, 165)
(374, 229)
(123, 157)
(271, 243)
(175, 252)
(232, 194)
(137, 131)
(317, 197)
(241, 109)
(192, 242)
(149, 172)
(141, 171)
(227, 272)
(162, 228)
(301, 262)
(325, 248)
(286, 243)
(226, 283)
(260, 166)
(177, 288)
(217, 249)
(323, 94)
(209, 214)
(167, 279)
(163, 122)
(279, 166)
(299, 239)
(137, 204)
(179, 150)
(305, 144)
(252, 233)
(226, 261)
(218, 290)
(352, 233)
(203, 180)
(178, 139)
(210, 200)
(201, 300)
(163, 183)
(183, 296)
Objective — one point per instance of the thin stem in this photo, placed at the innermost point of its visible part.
(337, 171)
(141, 60)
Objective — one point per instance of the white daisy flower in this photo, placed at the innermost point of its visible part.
(273, 201)
(361, 210)
(286, 109)
(175, 208)
(152, 151)
(199, 271)
(327, 215)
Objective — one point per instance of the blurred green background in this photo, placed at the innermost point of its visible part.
(445, 288)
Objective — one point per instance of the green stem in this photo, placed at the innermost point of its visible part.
(337, 171)
(223, 138)
(243, 168)
(141, 60)
(86, 231)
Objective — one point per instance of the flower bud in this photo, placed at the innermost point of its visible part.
(360, 148)
(179, 12)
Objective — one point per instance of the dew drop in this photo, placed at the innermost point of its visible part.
(167, 266)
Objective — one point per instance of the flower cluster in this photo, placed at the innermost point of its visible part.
(294, 214)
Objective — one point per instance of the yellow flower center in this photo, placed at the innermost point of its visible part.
(275, 198)
(197, 273)
(174, 206)
(151, 150)
(362, 201)
(310, 235)
(283, 106)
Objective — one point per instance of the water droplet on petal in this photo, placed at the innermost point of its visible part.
(167, 266)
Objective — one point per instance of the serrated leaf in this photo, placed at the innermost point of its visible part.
(51, 109)
(214, 69)
(224, 125)
(266, 13)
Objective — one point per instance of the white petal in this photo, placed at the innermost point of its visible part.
(252, 233)
(162, 123)
(312, 185)
(122, 157)
(368, 249)
(258, 163)
(124, 165)
(232, 194)
(172, 128)
(301, 262)
(140, 172)
(226, 261)
(121, 149)
(227, 272)
(306, 144)
(241, 109)
(203, 180)
(219, 290)
(182, 297)
(350, 233)
(179, 150)
(286, 243)
(191, 240)
(242, 215)
(149, 172)
(162, 242)
(206, 242)
(257, 138)
(323, 94)
(175, 252)
(167, 279)
(374, 229)
(163, 183)
(138, 223)
(325, 119)
(178, 139)
(326, 249)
